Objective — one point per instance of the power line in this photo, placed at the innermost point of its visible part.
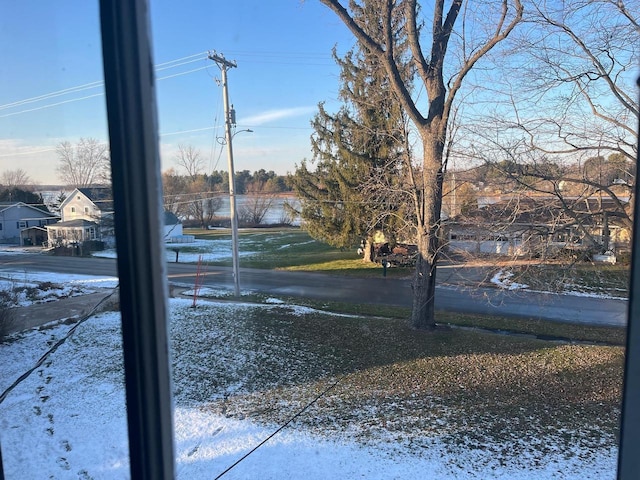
(182, 73)
(51, 105)
(199, 54)
(79, 88)
(284, 425)
(272, 57)
(97, 84)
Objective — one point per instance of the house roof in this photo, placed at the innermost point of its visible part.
(170, 218)
(79, 222)
(540, 211)
(102, 197)
(8, 205)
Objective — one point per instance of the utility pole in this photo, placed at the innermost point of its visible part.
(230, 120)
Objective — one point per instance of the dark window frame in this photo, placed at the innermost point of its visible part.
(137, 198)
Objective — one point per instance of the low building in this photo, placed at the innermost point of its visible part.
(18, 216)
(538, 227)
(87, 215)
(72, 233)
(172, 227)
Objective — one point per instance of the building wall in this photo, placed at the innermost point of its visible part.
(16, 218)
(68, 236)
(78, 206)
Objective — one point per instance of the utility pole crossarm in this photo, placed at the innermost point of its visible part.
(221, 61)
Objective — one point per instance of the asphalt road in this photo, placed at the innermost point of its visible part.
(387, 291)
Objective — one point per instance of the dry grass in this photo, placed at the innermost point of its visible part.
(471, 390)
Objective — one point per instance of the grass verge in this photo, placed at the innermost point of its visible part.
(506, 398)
(541, 328)
(585, 278)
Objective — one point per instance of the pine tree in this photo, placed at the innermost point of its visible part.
(358, 157)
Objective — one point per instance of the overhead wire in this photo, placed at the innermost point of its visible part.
(283, 426)
(99, 83)
(88, 86)
(50, 105)
(58, 93)
(188, 59)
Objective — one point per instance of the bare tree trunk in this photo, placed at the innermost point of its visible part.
(368, 250)
(428, 238)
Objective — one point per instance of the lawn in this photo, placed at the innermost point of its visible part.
(585, 278)
(293, 249)
(391, 402)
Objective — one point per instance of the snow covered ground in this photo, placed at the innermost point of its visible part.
(192, 252)
(67, 420)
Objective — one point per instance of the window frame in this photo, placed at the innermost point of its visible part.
(137, 194)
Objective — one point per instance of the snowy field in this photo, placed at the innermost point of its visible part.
(192, 252)
(67, 419)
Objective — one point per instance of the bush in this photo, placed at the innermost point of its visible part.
(7, 319)
(92, 246)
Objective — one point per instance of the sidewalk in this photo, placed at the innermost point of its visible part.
(36, 315)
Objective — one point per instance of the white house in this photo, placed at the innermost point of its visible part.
(172, 227)
(87, 214)
(16, 217)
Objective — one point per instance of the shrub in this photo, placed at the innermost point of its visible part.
(7, 319)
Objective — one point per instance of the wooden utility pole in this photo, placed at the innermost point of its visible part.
(230, 120)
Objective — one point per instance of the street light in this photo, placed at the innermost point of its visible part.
(232, 206)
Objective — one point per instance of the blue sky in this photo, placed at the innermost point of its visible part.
(51, 79)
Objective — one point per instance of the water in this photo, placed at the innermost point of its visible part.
(275, 214)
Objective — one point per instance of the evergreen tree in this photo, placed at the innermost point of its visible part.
(15, 194)
(358, 156)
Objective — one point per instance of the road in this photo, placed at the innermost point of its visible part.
(386, 291)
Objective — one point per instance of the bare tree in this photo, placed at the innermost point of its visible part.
(258, 203)
(198, 202)
(489, 23)
(571, 135)
(581, 62)
(15, 178)
(201, 203)
(189, 158)
(174, 191)
(84, 164)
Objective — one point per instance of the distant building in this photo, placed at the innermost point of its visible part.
(18, 217)
(539, 227)
(172, 227)
(87, 215)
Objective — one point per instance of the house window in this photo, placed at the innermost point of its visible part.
(0, 225)
(86, 210)
(22, 224)
(73, 209)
